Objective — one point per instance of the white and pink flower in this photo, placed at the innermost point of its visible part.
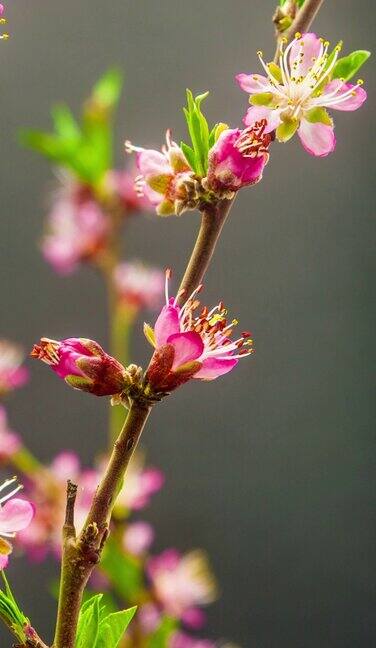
(294, 95)
(166, 177)
(12, 373)
(189, 345)
(16, 515)
(138, 285)
(182, 583)
(138, 537)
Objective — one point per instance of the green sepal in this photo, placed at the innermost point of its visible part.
(189, 367)
(79, 382)
(346, 67)
(159, 183)
(262, 99)
(149, 334)
(318, 114)
(286, 129)
(166, 208)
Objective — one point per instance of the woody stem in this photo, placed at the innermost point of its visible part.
(301, 22)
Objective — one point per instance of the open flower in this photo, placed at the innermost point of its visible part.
(83, 364)
(182, 583)
(15, 515)
(166, 178)
(138, 285)
(237, 159)
(121, 185)
(189, 345)
(10, 442)
(294, 96)
(12, 373)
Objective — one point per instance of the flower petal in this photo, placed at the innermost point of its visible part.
(15, 515)
(167, 324)
(212, 368)
(253, 83)
(353, 102)
(188, 346)
(151, 163)
(4, 560)
(302, 52)
(318, 139)
(255, 113)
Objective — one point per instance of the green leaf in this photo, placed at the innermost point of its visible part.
(107, 90)
(346, 67)
(10, 611)
(200, 135)
(164, 631)
(88, 623)
(124, 571)
(65, 124)
(113, 627)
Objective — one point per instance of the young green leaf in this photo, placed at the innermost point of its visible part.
(10, 611)
(346, 67)
(198, 129)
(107, 90)
(113, 627)
(88, 623)
(162, 634)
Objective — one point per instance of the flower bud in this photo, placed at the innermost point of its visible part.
(83, 364)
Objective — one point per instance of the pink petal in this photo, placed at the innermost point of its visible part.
(66, 466)
(353, 102)
(253, 83)
(167, 324)
(4, 560)
(255, 113)
(15, 515)
(152, 163)
(310, 50)
(212, 368)
(318, 139)
(188, 347)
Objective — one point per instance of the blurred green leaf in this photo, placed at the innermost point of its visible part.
(346, 67)
(107, 90)
(113, 627)
(10, 611)
(164, 631)
(123, 571)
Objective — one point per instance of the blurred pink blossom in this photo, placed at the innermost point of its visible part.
(121, 183)
(182, 583)
(139, 285)
(182, 640)
(10, 442)
(138, 537)
(12, 373)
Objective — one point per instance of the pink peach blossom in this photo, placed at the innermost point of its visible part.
(238, 158)
(83, 364)
(164, 177)
(294, 96)
(137, 538)
(192, 346)
(15, 515)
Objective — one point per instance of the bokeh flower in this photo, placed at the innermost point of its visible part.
(138, 537)
(83, 364)
(189, 345)
(138, 285)
(16, 515)
(294, 95)
(120, 184)
(12, 373)
(76, 228)
(10, 442)
(182, 584)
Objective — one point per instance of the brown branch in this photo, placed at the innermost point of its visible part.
(301, 22)
(212, 222)
(80, 555)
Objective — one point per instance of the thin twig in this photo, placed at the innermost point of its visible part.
(301, 22)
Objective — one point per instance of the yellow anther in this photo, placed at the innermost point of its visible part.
(360, 82)
(4, 36)
(259, 53)
(298, 35)
(3, 21)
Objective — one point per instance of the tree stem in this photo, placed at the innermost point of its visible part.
(301, 22)
(212, 222)
(80, 555)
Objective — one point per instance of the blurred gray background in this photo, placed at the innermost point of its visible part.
(271, 469)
